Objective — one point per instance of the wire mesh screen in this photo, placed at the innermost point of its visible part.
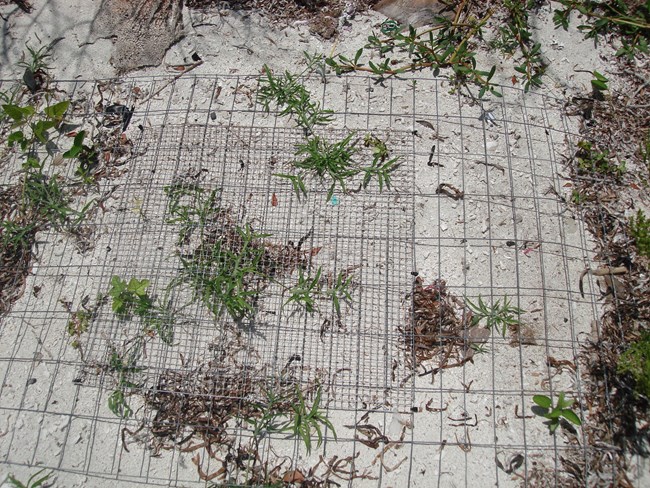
(413, 395)
(367, 237)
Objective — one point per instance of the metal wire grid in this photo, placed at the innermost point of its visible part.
(538, 271)
(361, 232)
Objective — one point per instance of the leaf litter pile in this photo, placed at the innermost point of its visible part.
(440, 327)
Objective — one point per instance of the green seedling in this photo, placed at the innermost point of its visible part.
(591, 161)
(635, 362)
(379, 148)
(306, 291)
(640, 231)
(118, 405)
(554, 414)
(498, 316)
(130, 298)
(290, 414)
(381, 170)
(226, 274)
(191, 207)
(296, 182)
(17, 237)
(124, 368)
(331, 160)
(44, 198)
(88, 157)
(479, 348)
(34, 481)
(303, 420)
(270, 418)
(78, 324)
(291, 98)
(340, 291)
(36, 64)
(599, 82)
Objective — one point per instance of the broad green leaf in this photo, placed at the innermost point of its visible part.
(15, 112)
(16, 137)
(73, 152)
(543, 401)
(57, 110)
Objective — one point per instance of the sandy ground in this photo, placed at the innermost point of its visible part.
(507, 236)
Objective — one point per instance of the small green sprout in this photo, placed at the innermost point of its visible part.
(498, 315)
(635, 361)
(305, 292)
(131, 297)
(599, 83)
(640, 231)
(33, 482)
(561, 409)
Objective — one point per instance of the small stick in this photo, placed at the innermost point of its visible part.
(450, 191)
(190, 68)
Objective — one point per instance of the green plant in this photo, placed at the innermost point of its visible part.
(308, 291)
(290, 414)
(599, 82)
(36, 59)
(629, 20)
(33, 482)
(340, 291)
(17, 237)
(516, 34)
(450, 48)
(87, 155)
(118, 405)
(290, 96)
(499, 315)
(335, 161)
(78, 324)
(124, 366)
(640, 230)
(328, 159)
(296, 182)
(590, 161)
(132, 298)
(129, 298)
(305, 291)
(553, 413)
(226, 273)
(36, 64)
(635, 361)
(24, 118)
(304, 419)
(191, 207)
(479, 348)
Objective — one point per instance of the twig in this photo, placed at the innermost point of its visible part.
(190, 68)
